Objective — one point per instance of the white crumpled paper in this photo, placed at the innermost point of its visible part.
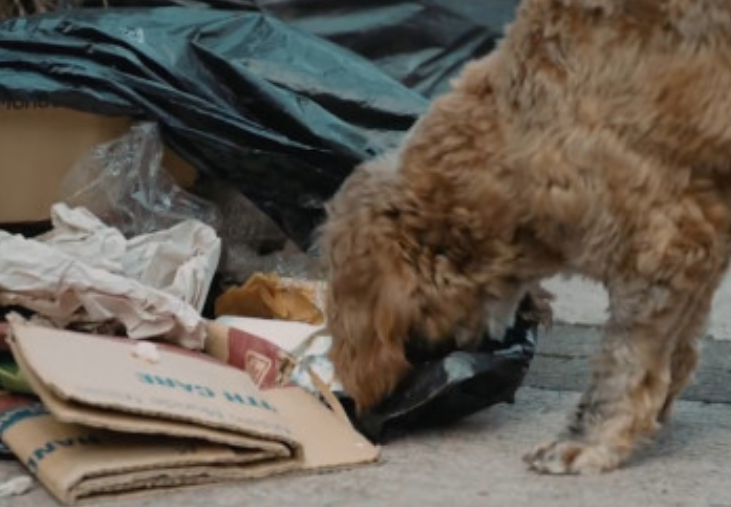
(83, 271)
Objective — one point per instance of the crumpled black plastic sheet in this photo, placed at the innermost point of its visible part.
(420, 43)
(280, 114)
(441, 390)
(268, 96)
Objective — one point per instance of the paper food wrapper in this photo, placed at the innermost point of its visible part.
(268, 296)
(118, 425)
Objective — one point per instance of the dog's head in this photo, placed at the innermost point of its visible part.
(403, 269)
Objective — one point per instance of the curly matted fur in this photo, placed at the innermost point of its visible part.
(597, 140)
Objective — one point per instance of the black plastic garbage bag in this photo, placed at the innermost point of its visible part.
(270, 108)
(420, 43)
(281, 115)
(446, 387)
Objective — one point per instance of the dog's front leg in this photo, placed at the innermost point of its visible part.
(630, 383)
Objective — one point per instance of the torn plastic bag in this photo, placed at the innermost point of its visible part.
(421, 43)
(442, 390)
(124, 184)
(281, 115)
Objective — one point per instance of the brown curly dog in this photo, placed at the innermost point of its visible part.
(595, 140)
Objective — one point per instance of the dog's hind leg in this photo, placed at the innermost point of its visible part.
(685, 357)
(684, 360)
(628, 388)
(633, 376)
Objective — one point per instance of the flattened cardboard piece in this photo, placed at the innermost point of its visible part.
(325, 441)
(180, 387)
(72, 412)
(209, 422)
(77, 463)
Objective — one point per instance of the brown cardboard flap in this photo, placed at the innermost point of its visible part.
(102, 372)
(77, 413)
(76, 462)
(39, 147)
(118, 426)
(327, 442)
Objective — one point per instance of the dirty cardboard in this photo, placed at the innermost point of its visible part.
(120, 426)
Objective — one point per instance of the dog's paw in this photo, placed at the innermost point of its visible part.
(572, 457)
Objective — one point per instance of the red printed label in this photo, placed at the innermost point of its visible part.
(262, 360)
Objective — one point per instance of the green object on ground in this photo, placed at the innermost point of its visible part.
(12, 378)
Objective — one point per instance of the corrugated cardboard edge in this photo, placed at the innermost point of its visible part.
(142, 485)
(112, 478)
(110, 485)
(57, 394)
(328, 443)
(327, 462)
(124, 422)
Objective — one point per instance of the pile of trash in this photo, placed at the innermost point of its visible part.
(124, 312)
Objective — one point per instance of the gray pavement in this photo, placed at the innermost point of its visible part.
(477, 461)
(582, 302)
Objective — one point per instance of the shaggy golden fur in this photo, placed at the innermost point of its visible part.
(595, 140)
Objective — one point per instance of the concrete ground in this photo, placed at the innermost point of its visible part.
(477, 461)
(579, 301)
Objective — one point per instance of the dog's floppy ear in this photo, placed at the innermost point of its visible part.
(368, 304)
(369, 326)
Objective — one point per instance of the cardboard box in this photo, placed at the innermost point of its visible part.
(40, 144)
(116, 425)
